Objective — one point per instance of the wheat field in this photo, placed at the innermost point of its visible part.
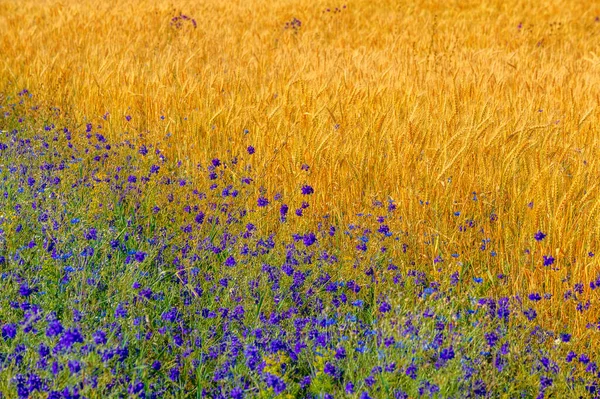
(415, 101)
(463, 113)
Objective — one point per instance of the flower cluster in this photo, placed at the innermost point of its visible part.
(124, 274)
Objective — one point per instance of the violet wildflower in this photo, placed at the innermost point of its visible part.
(539, 236)
(307, 190)
(230, 261)
(9, 331)
(54, 328)
(262, 202)
(548, 260)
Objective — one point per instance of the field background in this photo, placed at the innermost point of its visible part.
(423, 102)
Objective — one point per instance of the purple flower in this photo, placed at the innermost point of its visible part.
(216, 162)
(99, 337)
(307, 190)
(172, 315)
(530, 314)
(237, 393)
(25, 290)
(283, 211)
(305, 382)
(54, 328)
(156, 365)
(349, 387)
(400, 394)
(174, 374)
(330, 369)
(91, 234)
(120, 311)
(70, 337)
(454, 278)
(535, 297)
(309, 239)
(9, 331)
(340, 353)
(479, 388)
(250, 150)
(548, 260)
(564, 337)
(230, 261)
(140, 256)
(491, 339)
(539, 236)
(74, 366)
(275, 382)
(262, 202)
(132, 179)
(411, 371)
(87, 252)
(447, 353)
(385, 307)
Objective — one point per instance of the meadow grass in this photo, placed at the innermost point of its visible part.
(476, 121)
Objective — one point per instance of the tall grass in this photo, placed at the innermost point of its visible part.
(479, 119)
